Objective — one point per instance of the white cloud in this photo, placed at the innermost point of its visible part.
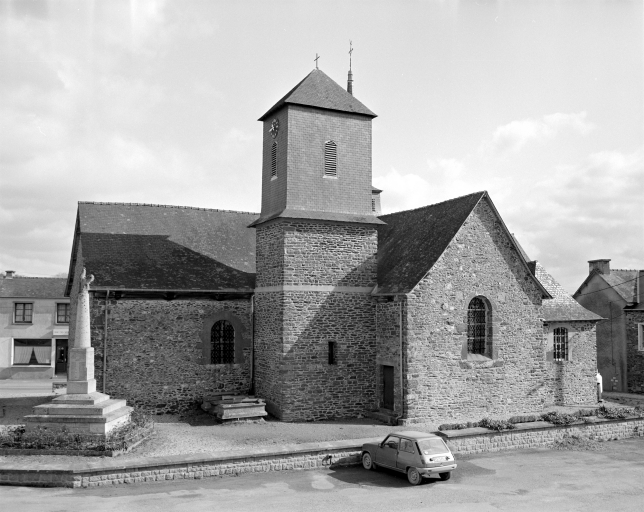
(402, 191)
(515, 135)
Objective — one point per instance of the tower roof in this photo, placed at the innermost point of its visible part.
(318, 90)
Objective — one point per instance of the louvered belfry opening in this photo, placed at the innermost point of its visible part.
(476, 326)
(330, 158)
(560, 344)
(222, 343)
(274, 160)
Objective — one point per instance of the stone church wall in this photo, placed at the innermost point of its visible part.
(388, 322)
(573, 382)
(442, 382)
(634, 357)
(155, 351)
(296, 319)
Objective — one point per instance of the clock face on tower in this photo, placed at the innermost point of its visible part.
(275, 126)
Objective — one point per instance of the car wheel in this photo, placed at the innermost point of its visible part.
(445, 476)
(414, 476)
(367, 461)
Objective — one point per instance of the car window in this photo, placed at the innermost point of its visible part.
(432, 446)
(392, 442)
(407, 446)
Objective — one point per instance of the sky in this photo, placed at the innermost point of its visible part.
(540, 103)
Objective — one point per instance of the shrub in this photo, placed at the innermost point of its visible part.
(496, 424)
(614, 413)
(558, 418)
(578, 443)
(528, 418)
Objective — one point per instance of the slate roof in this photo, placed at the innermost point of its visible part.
(412, 241)
(157, 247)
(33, 287)
(624, 282)
(318, 90)
(562, 306)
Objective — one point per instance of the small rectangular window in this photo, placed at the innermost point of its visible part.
(373, 204)
(332, 353)
(62, 313)
(640, 337)
(23, 312)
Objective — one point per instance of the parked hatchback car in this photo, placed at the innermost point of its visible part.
(416, 453)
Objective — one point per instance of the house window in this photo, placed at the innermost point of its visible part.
(333, 357)
(330, 159)
(640, 337)
(274, 160)
(476, 326)
(560, 344)
(222, 343)
(23, 312)
(62, 313)
(32, 352)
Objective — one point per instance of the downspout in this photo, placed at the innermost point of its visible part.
(402, 389)
(107, 295)
(252, 344)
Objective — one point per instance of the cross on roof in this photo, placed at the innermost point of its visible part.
(316, 60)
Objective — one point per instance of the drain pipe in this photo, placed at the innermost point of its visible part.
(402, 389)
(252, 344)
(107, 295)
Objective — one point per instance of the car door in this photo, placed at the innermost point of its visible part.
(388, 452)
(406, 454)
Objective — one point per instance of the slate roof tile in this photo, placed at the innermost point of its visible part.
(160, 247)
(33, 287)
(624, 283)
(318, 90)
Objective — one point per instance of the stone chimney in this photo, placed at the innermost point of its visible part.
(601, 266)
(9, 274)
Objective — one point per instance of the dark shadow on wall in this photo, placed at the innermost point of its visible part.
(155, 262)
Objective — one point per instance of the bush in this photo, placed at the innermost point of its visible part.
(528, 418)
(496, 424)
(559, 418)
(614, 413)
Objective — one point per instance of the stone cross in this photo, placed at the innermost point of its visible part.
(82, 338)
(316, 60)
(80, 379)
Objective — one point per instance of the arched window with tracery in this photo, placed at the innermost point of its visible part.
(560, 344)
(477, 328)
(222, 343)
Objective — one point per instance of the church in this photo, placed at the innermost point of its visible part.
(321, 305)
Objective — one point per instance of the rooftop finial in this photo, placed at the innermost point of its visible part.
(350, 79)
(316, 60)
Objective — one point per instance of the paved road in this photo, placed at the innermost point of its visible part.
(527, 480)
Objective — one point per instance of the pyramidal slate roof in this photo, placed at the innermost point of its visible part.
(157, 247)
(318, 90)
(562, 306)
(33, 287)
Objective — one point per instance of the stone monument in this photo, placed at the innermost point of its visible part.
(82, 409)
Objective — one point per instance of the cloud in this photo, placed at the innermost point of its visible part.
(402, 191)
(512, 137)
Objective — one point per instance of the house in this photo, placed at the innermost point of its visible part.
(319, 304)
(618, 296)
(34, 327)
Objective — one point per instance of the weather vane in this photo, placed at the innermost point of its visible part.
(316, 60)
(350, 52)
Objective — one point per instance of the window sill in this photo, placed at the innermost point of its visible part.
(31, 365)
(273, 178)
(23, 323)
(330, 177)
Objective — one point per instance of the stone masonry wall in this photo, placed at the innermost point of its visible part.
(294, 326)
(155, 352)
(634, 357)
(442, 382)
(388, 348)
(573, 382)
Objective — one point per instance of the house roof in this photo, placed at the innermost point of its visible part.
(412, 241)
(318, 90)
(562, 306)
(157, 247)
(624, 282)
(33, 287)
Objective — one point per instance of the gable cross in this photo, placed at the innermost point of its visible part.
(316, 60)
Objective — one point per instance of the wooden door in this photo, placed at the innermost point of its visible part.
(388, 387)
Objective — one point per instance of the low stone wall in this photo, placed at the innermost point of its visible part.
(295, 457)
(538, 435)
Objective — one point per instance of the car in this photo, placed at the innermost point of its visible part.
(418, 454)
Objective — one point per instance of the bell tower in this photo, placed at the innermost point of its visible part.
(316, 255)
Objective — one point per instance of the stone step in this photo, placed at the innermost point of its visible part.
(79, 418)
(101, 408)
(76, 399)
(384, 416)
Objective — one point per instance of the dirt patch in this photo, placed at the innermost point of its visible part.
(579, 443)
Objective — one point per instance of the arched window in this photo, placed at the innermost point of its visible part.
(222, 343)
(274, 160)
(560, 344)
(330, 159)
(476, 326)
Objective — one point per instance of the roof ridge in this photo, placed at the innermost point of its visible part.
(625, 269)
(167, 206)
(436, 204)
(35, 277)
